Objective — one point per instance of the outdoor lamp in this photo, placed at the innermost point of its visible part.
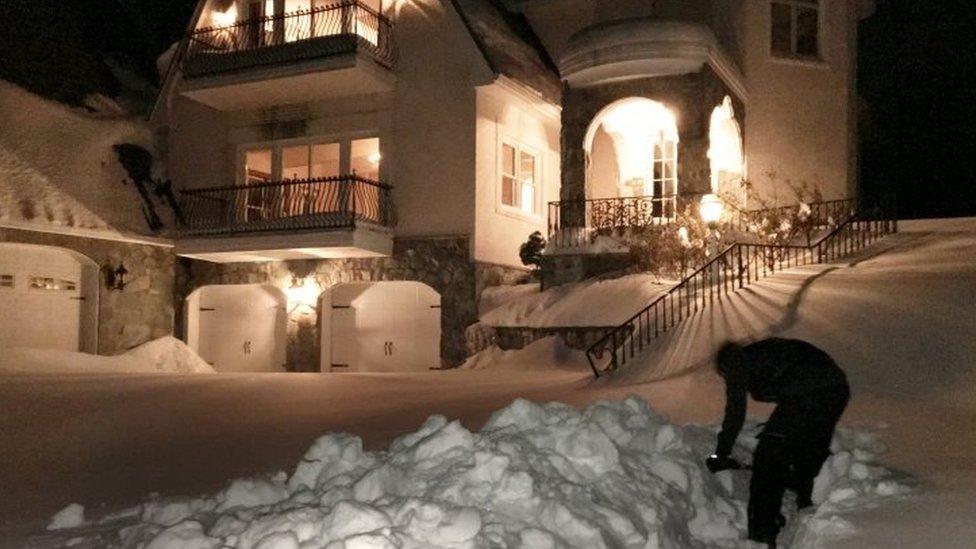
(303, 292)
(711, 209)
(115, 279)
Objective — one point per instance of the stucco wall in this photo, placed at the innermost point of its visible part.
(140, 312)
(801, 125)
(503, 116)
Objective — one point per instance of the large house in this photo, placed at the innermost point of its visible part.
(353, 173)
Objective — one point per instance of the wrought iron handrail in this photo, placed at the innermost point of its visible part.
(739, 265)
(341, 27)
(322, 203)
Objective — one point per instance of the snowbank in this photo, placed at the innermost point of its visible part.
(163, 355)
(548, 353)
(614, 475)
(57, 165)
(589, 303)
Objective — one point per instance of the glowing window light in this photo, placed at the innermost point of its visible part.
(374, 158)
(635, 128)
(224, 18)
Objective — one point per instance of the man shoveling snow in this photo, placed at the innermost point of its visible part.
(810, 393)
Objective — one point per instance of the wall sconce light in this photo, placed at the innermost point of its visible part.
(711, 210)
(303, 292)
(115, 279)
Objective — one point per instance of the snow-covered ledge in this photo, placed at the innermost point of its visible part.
(642, 47)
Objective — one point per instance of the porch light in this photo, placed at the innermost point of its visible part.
(303, 292)
(711, 209)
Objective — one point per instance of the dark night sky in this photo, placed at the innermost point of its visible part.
(918, 85)
(917, 80)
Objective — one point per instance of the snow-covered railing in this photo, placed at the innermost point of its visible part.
(337, 28)
(325, 203)
(737, 266)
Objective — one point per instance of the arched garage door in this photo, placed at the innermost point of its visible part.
(381, 327)
(48, 298)
(238, 327)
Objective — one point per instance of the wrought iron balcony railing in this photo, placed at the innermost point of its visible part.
(571, 222)
(328, 203)
(342, 27)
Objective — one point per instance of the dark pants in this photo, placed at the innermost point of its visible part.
(792, 448)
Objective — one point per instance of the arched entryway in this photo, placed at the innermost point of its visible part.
(238, 327)
(631, 150)
(392, 326)
(726, 159)
(48, 298)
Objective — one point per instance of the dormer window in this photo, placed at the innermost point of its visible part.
(795, 29)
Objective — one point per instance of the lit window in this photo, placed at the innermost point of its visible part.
(795, 28)
(519, 178)
(46, 283)
(365, 158)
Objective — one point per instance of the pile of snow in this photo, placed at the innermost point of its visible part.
(548, 353)
(614, 475)
(57, 165)
(589, 303)
(163, 355)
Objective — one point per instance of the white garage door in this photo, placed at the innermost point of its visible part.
(381, 327)
(238, 328)
(48, 298)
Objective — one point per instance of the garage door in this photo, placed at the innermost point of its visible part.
(238, 328)
(48, 298)
(381, 327)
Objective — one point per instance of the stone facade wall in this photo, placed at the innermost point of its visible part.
(691, 97)
(140, 312)
(442, 263)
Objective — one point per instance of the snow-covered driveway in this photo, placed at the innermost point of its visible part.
(900, 319)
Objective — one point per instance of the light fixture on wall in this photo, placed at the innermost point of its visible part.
(711, 208)
(115, 277)
(304, 292)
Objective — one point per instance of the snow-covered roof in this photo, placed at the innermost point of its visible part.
(510, 47)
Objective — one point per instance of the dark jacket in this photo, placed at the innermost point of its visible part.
(774, 370)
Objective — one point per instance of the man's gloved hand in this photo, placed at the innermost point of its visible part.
(716, 463)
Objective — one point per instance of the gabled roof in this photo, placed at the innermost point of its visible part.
(510, 47)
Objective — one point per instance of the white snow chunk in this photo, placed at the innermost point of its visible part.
(536, 476)
(71, 516)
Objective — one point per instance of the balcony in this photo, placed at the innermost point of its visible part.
(573, 222)
(344, 48)
(345, 216)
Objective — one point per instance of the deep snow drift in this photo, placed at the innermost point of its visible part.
(159, 356)
(548, 353)
(597, 302)
(613, 475)
(58, 168)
